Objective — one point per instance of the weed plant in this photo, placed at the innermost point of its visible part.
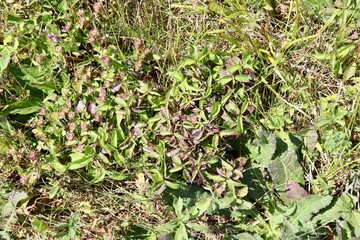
(234, 119)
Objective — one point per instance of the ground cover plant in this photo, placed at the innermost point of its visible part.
(174, 119)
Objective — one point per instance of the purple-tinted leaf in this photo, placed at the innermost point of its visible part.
(220, 189)
(294, 191)
(91, 108)
(220, 172)
(173, 153)
(251, 73)
(249, 110)
(200, 179)
(240, 163)
(80, 107)
(213, 129)
(196, 134)
(116, 87)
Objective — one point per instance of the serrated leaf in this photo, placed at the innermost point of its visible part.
(340, 206)
(285, 168)
(305, 210)
(267, 146)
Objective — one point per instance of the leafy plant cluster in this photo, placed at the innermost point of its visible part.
(231, 140)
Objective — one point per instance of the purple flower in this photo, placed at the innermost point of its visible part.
(53, 37)
(65, 28)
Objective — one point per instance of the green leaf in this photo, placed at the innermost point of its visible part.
(243, 236)
(172, 185)
(167, 227)
(79, 160)
(63, 6)
(310, 138)
(24, 107)
(186, 62)
(322, 122)
(350, 71)
(224, 80)
(178, 206)
(214, 177)
(285, 168)
(267, 146)
(181, 233)
(305, 210)
(193, 52)
(215, 109)
(96, 175)
(4, 61)
(156, 176)
(231, 107)
(243, 78)
(54, 162)
(120, 160)
(117, 176)
(177, 75)
(199, 208)
(39, 226)
(339, 207)
(353, 220)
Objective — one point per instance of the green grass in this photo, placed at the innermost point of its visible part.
(179, 119)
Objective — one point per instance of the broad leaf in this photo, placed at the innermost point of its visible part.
(266, 147)
(79, 160)
(340, 206)
(54, 162)
(300, 218)
(4, 61)
(16, 197)
(243, 236)
(294, 191)
(285, 168)
(200, 207)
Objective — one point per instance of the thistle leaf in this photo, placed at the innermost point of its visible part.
(305, 210)
(286, 168)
